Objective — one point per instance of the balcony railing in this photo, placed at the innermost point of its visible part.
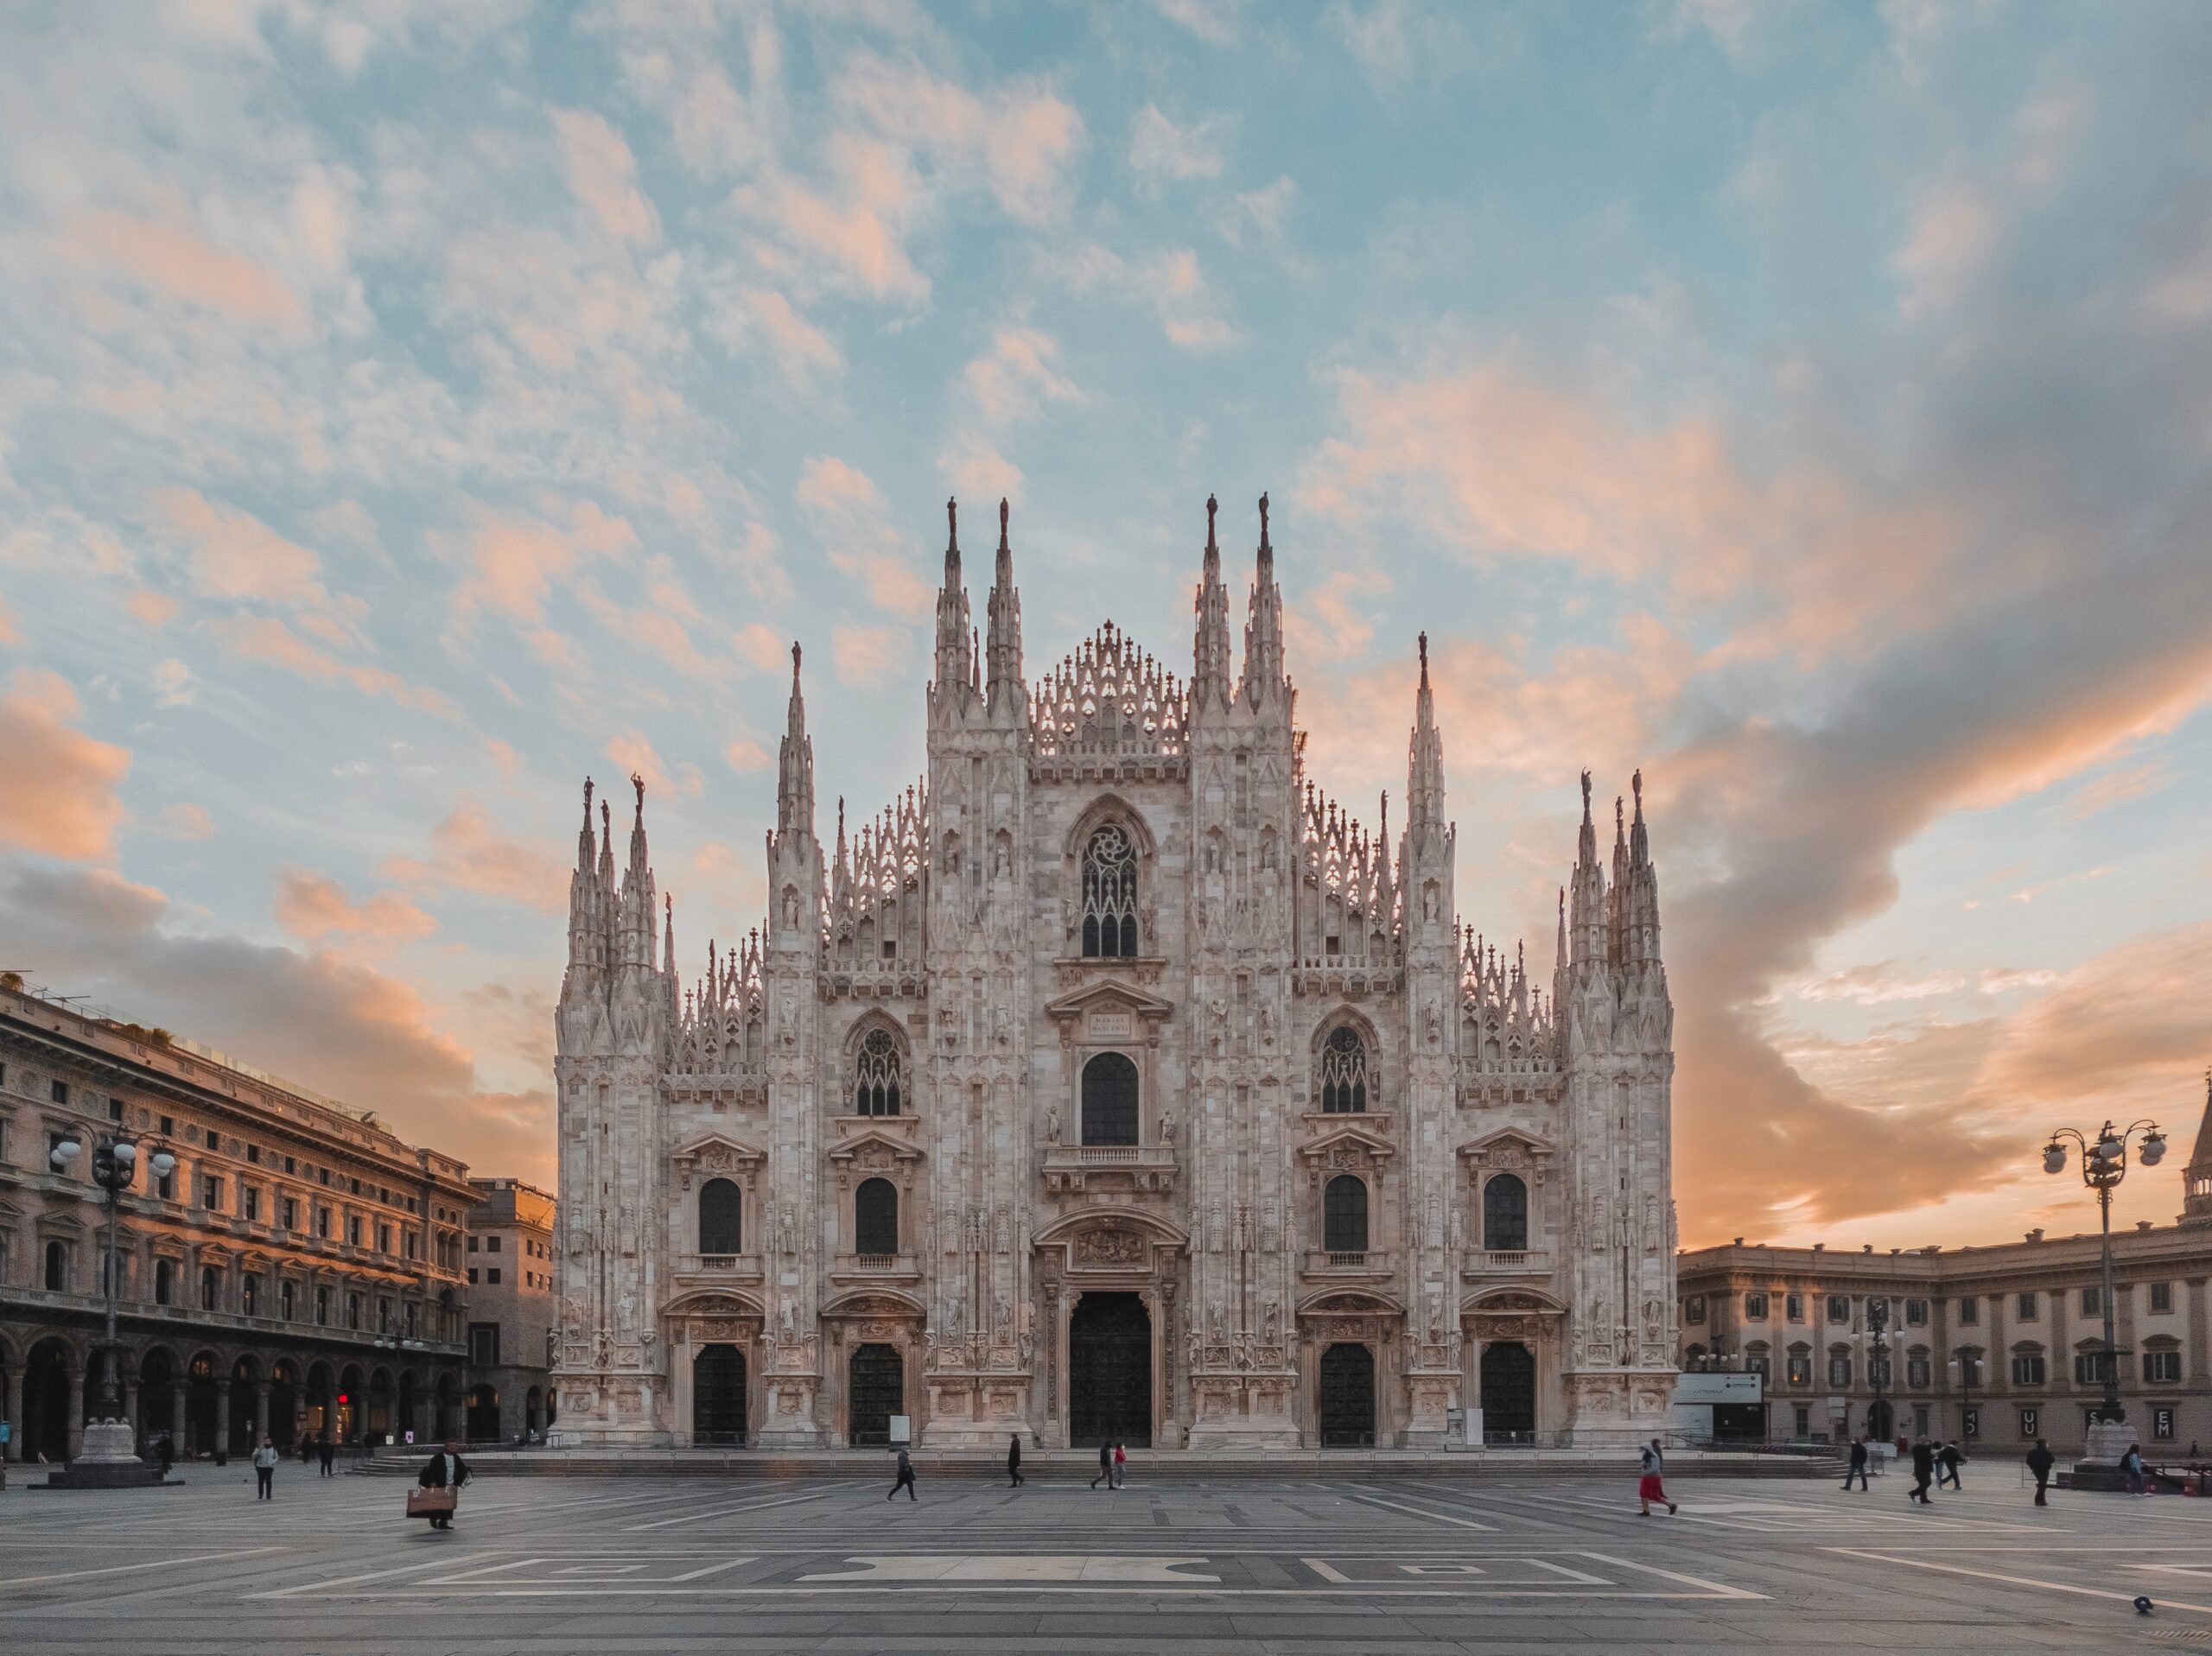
(876, 1261)
(1506, 1261)
(1348, 1256)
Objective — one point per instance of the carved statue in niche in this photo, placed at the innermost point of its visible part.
(1166, 1127)
(1267, 1029)
(1274, 1319)
(1052, 1127)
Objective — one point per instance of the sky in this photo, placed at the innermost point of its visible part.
(408, 409)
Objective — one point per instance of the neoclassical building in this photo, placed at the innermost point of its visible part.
(1114, 1083)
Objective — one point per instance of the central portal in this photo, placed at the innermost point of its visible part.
(1109, 1371)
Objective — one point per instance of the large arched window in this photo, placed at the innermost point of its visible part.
(1110, 1100)
(722, 1217)
(875, 1218)
(1110, 895)
(57, 1267)
(1344, 1072)
(875, 1074)
(1344, 1216)
(1505, 1214)
(211, 1287)
(165, 1282)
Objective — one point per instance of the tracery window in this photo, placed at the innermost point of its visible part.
(875, 1083)
(1344, 1216)
(722, 1217)
(1343, 1072)
(1110, 895)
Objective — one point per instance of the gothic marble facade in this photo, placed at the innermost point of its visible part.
(1113, 1082)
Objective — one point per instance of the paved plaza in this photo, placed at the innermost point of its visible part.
(1494, 1564)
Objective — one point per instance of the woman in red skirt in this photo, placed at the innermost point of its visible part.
(1651, 1486)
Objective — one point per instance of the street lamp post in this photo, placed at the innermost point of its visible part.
(1878, 1316)
(110, 1440)
(1963, 1361)
(2104, 1164)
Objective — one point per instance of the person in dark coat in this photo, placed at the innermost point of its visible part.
(2040, 1461)
(445, 1471)
(1950, 1459)
(1858, 1467)
(906, 1477)
(1105, 1466)
(1923, 1470)
(165, 1452)
(1014, 1460)
(326, 1452)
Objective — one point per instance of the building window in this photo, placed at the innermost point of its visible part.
(249, 1295)
(484, 1344)
(252, 1203)
(1110, 1100)
(1916, 1371)
(291, 1212)
(322, 1224)
(411, 1319)
(322, 1308)
(491, 1245)
(1694, 1308)
(165, 1282)
(1505, 1214)
(1969, 1311)
(1344, 1216)
(1804, 1421)
(1916, 1313)
(353, 1231)
(211, 1287)
(1839, 1308)
(2026, 1308)
(492, 1276)
(57, 1267)
(474, 1243)
(383, 1314)
(2161, 1368)
(1798, 1371)
(1756, 1361)
(165, 1186)
(722, 1217)
(384, 1239)
(2028, 1369)
(1755, 1308)
(2088, 1368)
(2162, 1298)
(1839, 1374)
(285, 1300)
(115, 1109)
(1343, 1072)
(1793, 1307)
(2093, 1302)
(875, 1074)
(472, 1276)
(1110, 895)
(875, 1218)
(57, 1091)
(1877, 1371)
(352, 1311)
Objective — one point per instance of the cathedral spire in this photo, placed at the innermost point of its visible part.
(1425, 761)
(584, 894)
(1005, 616)
(1263, 672)
(1642, 904)
(955, 661)
(2197, 1178)
(1587, 919)
(637, 907)
(1211, 685)
(795, 767)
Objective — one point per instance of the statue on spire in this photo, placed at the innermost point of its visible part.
(1002, 509)
(1586, 795)
(1263, 519)
(638, 783)
(1212, 506)
(951, 523)
(1636, 787)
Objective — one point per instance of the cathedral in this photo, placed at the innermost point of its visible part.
(1114, 1084)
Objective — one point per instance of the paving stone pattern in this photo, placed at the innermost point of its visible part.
(558, 1566)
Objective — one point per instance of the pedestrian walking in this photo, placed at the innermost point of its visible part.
(1948, 1460)
(1105, 1466)
(165, 1452)
(906, 1476)
(264, 1469)
(1121, 1466)
(1923, 1470)
(2040, 1461)
(1014, 1462)
(1652, 1485)
(326, 1452)
(1857, 1468)
(2131, 1464)
(307, 1449)
(445, 1470)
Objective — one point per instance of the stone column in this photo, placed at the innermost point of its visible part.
(222, 1417)
(12, 1379)
(261, 1427)
(176, 1416)
(76, 1411)
(130, 1404)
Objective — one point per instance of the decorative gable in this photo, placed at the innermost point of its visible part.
(714, 1156)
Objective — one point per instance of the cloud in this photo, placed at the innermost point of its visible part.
(335, 1025)
(468, 854)
(635, 756)
(1171, 285)
(188, 822)
(512, 561)
(1877, 985)
(174, 259)
(855, 230)
(236, 556)
(866, 657)
(1017, 140)
(761, 647)
(264, 639)
(173, 684)
(10, 633)
(603, 174)
(847, 514)
(62, 798)
(1009, 381)
(1265, 210)
(803, 353)
(746, 753)
(313, 907)
(1395, 42)
(150, 609)
(1214, 22)
(2121, 787)
(1161, 151)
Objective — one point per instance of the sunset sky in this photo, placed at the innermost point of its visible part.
(402, 417)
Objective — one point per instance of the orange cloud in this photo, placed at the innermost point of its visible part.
(314, 906)
(469, 852)
(173, 259)
(604, 175)
(848, 516)
(151, 609)
(513, 560)
(859, 229)
(10, 633)
(61, 800)
(265, 638)
(635, 756)
(236, 556)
